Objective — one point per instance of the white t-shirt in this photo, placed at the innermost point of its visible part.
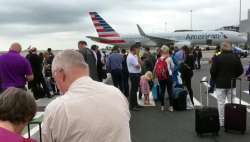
(132, 62)
(89, 111)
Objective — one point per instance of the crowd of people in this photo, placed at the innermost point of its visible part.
(89, 109)
(36, 68)
(83, 111)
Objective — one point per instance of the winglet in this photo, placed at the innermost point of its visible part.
(141, 31)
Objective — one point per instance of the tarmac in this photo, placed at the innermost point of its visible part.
(152, 125)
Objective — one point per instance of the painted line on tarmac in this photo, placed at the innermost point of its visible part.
(38, 114)
(34, 130)
(196, 102)
(236, 99)
(246, 92)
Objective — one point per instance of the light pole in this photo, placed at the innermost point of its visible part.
(191, 20)
(240, 13)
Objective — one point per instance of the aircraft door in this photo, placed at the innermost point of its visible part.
(209, 42)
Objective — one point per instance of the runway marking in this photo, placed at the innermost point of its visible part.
(236, 99)
(196, 102)
(35, 129)
(32, 132)
(38, 114)
(152, 102)
(247, 92)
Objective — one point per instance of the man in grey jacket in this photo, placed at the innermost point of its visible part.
(89, 58)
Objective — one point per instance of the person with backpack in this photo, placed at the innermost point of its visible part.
(163, 70)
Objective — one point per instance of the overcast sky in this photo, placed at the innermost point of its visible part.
(59, 24)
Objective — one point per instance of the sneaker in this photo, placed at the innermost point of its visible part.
(171, 109)
(162, 108)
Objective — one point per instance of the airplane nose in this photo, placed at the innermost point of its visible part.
(244, 39)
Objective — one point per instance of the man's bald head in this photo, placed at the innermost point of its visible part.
(16, 47)
(226, 46)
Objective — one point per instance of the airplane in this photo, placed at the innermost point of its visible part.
(107, 35)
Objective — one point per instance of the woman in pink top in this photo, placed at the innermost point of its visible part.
(17, 108)
(144, 86)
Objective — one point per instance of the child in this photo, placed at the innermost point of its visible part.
(144, 86)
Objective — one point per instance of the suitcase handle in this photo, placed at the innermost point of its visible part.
(235, 79)
(204, 81)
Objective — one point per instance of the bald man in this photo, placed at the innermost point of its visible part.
(88, 111)
(225, 67)
(15, 70)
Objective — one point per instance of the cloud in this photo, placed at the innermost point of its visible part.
(46, 12)
(57, 20)
(21, 17)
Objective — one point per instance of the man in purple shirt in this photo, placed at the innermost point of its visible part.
(15, 70)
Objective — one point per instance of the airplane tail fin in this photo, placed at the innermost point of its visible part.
(141, 31)
(103, 29)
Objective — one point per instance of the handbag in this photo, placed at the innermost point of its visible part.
(156, 92)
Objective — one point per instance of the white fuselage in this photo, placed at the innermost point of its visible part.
(188, 38)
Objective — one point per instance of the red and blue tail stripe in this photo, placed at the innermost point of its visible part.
(104, 30)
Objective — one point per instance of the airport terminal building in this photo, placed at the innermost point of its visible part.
(245, 24)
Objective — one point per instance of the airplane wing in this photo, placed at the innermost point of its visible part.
(107, 41)
(97, 39)
(158, 40)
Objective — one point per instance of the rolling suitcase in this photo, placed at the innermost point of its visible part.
(206, 118)
(180, 99)
(235, 115)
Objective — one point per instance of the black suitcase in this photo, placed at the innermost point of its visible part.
(235, 115)
(179, 99)
(206, 118)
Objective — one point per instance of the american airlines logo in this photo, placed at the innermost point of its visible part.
(205, 36)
